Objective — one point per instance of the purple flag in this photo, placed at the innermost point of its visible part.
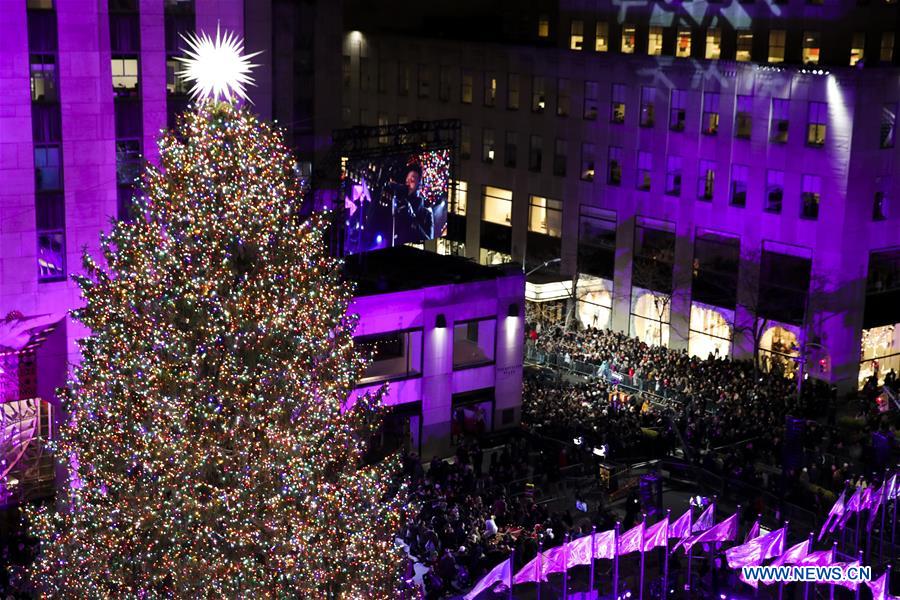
(822, 558)
(836, 512)
(756, 550)
(892, 488)
(850, 585)
(879, 588)
(499, 574)
(579, 552)
(723, 532)
(630, 541)
(681, 528)
(555, 560)
(754, 532)
(876, 499)
(605, 545)
(852, 506)
(793, 556)
(530, 572)
(706, 520)
(657, 535)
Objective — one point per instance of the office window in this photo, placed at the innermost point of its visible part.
(382, 124)
(743, 119)
(545, 216)
(490, 89)
(857, 48)
(404, 75)
(628, 38)
(43, 78)
(424, 81)
(614, 175)
(474, 343)
(887, 47)
(655, 41)
(811, 46)
(460, 201)
(538, 94)
(466, 88)
(683, 43)
(777, 39)
(496, 206)
(47, 168)
(739, 178)
(816, 124)
(46, 124)
(576, 35)
(444, 83)
(888, 124)
(51, 255)
(601, 41)
(744, 45)
(543, 26)
(883, 191)
(535, 153)
(774, 190)
(562, 98)
(673, 176)
(124, 73)
(812, 190)
(560, 157)
(128, 161)
(617, 105)
(713, 43)
(174, 83)
(710, 125)
(511, 150)
(706, 180)
(678, 110)
(487, 145)
(645, 170)
(588, 161)
(465, 142)
(648, 95)
(780, 120)
(39, 4)
(591, 95)
(512, 91)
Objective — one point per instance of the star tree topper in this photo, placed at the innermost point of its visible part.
(217, 68)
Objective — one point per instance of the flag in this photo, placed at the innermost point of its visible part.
(657, 535)
(555, 560)
(681, 528)
(876, 499)
(756, 550)
(605, 545)
(579, 552)
(723, 532)
(754, 532)
(631, 540)
(499, 574)
(850, 585)
(836, 512)
(822, 558)
(892, 488)
(852, 506)
(706, 520)
(531, 571)
(879, 588)
(793, 556)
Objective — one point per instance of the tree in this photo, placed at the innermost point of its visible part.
(210, 445)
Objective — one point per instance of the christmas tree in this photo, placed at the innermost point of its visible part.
(210, 445)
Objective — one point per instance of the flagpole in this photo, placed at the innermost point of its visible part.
(665, 589)
(687, 585)
(615, 573)
(781, 583)
(537, 567)
(512, 566)
(894, 524)
(833, 552)
(858, 585)
(806, 584)
(884, 491)
(566, 567)
(593, 555)
(643, 531)
(712, 548)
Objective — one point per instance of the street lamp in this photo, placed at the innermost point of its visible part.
(542, 265)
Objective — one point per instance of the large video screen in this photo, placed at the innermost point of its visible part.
(395, 199)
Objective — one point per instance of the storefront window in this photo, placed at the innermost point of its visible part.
(650, 316)
(711, 331)
(880, 352)
(594, 302)
(778, 349)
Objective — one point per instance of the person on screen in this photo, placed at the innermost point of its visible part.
(415, 221)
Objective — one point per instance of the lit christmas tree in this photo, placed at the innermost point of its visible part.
(209, 443)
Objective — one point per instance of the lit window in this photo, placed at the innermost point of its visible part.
(713, 43)
(683, 43)
(739, 177)
(601, 42)
(43, 78)
(587, 162)
(40, 4)
(743, 119)
(628, 35)
(857, 48)
(776, 45)
(591, 94)
(882, 194)
(812, 191)
(382, 125)
(51, 256)
(710, 113)
(648, 95)
(460, 198)
(466, 89)
(511, 150)
(536, 154)
(706, 180)
(538, 95)
(887, 46)
(645, 170)
(617, 105)
(673, 176)
(678, 110)
(174, 83)
(744, 45)
(543, 26)
(816, 124)
(125, 73)
(487, 146)
(545, 216)
(888, 124)
(774, 190)
(496, 206)
(490, 89)
(560, 158)
(576, 36)
(512, 92)
(655, 41)
(562, 98)
(614, 176)
(811, 47)
(780, 120)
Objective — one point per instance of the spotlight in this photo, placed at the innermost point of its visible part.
(441, 321)
(378, 239)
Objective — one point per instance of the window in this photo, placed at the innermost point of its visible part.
(744, 45)
(739, 178)
(545, 216)
(780, 120)
(40, 5)
(588, 161)
(382, 77)
(628, 35)
(617, 106)
(50, 212)
(43, 78)
(424, 81)
(562, 98)
(887, 47)
(535, 153)
(683, 43)
(128, 161)
(487, 145)
(591, 93)
(510, 150)
(490, 89)
(576, 36)
(174, 83)
(601, 41)
(444, 83)
(710, 125)
(888, 123)
(857, 48)
(774, 190)
(776, 45)
(882, 194)
(473, 343)
(51, 256)
(648, 95)
(560, 157)
(812, 190)
(125, 73)
(365, 74)
(614, 176)
(466, 88)
(465, 142)
(382, 125)
(538, 94)
(543, 26)
(713, 43)
(46, 124)
(496, 206)
(460, 198)
(47, 168)
(346, 72)
(743, 119)
(678, 110)
(512, 91)
(655, 41)
(403, 77)
(706, 180)
(811, 47)
(645, 168)
(816, 124)
(673, 176)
